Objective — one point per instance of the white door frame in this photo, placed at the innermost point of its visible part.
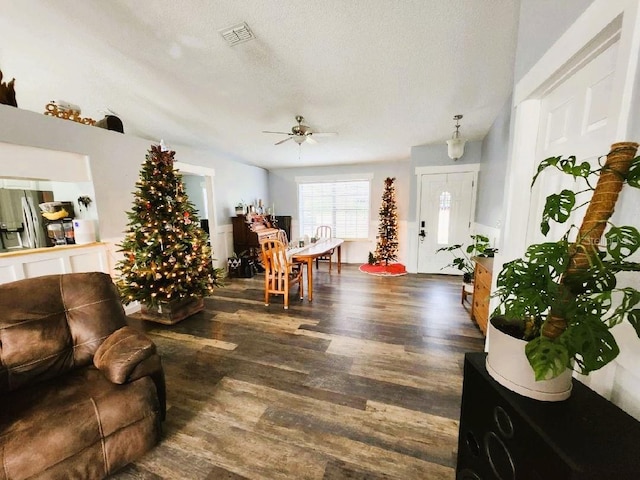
(603, 22)
(434, 170)
(208, 174)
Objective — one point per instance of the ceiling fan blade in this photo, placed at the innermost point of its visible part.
(282, 141)
(325, 134)
(311, 140)
(279, 133)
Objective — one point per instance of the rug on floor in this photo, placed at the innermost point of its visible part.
(391, 270)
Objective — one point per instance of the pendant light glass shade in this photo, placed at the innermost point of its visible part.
(455, 146)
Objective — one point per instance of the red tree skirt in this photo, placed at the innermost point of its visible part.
(382, 270)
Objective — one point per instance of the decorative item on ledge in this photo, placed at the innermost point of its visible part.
(85, 201)
(172, 312)
(67, 112)
(111, 122)
(8, 92)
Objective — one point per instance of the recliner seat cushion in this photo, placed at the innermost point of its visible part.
(111, 424)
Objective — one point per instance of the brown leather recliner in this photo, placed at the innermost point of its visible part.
(81, 393)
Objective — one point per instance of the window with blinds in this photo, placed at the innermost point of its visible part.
(344, 206)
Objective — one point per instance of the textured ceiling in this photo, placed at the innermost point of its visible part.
(385, 74)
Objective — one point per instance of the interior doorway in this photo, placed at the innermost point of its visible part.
(205, 188)
(196, 189)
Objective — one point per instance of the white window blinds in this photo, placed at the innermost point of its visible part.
(344, 206)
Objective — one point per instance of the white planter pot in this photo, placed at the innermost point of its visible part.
(508, 365)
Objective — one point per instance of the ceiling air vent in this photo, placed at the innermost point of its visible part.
(237, 34)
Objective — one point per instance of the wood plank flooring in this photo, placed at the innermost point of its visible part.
(362, 383)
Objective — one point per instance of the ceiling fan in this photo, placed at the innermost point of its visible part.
(301, 133)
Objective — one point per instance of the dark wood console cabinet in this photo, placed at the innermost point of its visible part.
(504, 435)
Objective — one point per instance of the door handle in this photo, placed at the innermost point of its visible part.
(422, 233)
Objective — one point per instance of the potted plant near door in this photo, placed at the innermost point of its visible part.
(462, 257)
(560, 301)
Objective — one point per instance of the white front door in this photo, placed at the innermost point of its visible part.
(444, 218)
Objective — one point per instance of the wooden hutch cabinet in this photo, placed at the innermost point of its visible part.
(247, 240)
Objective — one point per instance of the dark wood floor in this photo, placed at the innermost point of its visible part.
(363, 383)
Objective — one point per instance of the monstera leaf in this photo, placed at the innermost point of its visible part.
(558, 207)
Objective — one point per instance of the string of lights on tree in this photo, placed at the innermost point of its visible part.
(166, 253)
(387, 245)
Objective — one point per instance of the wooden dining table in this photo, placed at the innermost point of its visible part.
(310, 252)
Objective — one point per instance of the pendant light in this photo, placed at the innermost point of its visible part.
(456, 144)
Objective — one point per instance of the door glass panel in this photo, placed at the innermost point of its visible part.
(444, 215)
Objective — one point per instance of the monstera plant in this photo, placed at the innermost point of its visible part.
(479, 247)
(563, 297)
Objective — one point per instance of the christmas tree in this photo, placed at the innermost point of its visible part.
(387, 246)
(166, 253)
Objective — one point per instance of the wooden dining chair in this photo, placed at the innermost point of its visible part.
(282, 236)
(279, 273)
(324, 231)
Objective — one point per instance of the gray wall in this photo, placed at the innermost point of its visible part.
(284, 189)
(436, 155)
(541, 23)
(233, 181)
(236, 182)
(491, 180)
(193, 185)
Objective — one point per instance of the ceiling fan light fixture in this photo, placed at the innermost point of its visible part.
(455, 146)
(300, 133)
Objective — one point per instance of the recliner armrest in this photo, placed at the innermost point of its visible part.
(122, 352)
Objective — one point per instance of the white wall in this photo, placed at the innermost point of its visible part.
(69, 192)
(114, 162)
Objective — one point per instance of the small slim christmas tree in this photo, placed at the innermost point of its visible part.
(387, 246)
(166, 253)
